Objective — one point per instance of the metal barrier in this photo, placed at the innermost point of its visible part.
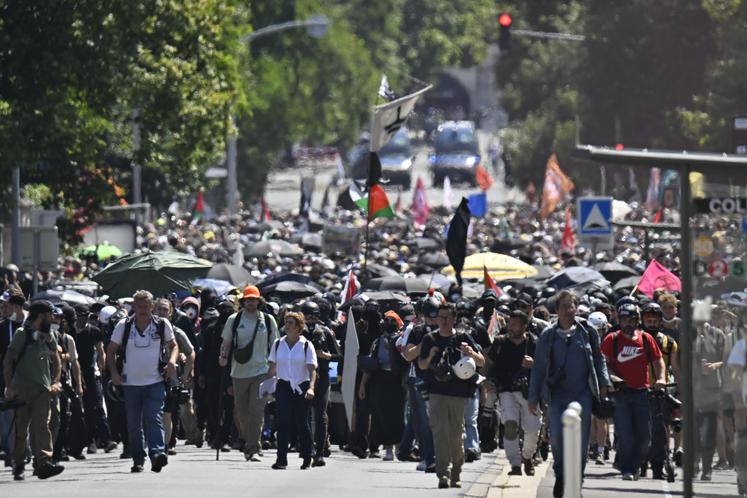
(572, 450)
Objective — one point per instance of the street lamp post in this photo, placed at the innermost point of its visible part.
(316, 27)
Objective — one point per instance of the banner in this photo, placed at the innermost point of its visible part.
(350, 368)
(557, 186)
(387, 119)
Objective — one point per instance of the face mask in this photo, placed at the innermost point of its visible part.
(55, 328)
(14, 317)
(191, 313)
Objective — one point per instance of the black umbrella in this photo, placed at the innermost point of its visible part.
(575, 276)
(230, 273)
(67, 296)
(282, 277)
(398, 283)
(275, 246)
(384, 298)
(626, 283)
(436, 260)
(290, 287)
(543, 272)
(426, 243)
(377, 270)
(312, 241)
(614, 271)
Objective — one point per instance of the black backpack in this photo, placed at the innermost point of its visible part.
(160, 330)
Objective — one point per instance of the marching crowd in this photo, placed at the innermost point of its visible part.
(441, 378)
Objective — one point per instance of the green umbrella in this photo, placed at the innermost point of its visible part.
(102, 252)
(160, 272)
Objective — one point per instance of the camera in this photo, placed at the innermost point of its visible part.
(521, 384)
(555, 379)
(180, 394)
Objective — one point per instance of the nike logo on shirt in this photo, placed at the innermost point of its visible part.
(629, 353)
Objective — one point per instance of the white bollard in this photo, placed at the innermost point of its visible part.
(572, 450)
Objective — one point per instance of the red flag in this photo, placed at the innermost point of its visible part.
(569, 238)
(483, 178)
(420, 208)
(656, 277)
(658, 215)
(348, 292)
(200, 203)
(557, 186)
(490, 283)
(265, 211)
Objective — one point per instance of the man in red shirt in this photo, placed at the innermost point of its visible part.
(629, 352)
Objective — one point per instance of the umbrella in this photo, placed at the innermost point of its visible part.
(397, 283)
(377, 270)
(427, 243)
(312, 241)
(282, 277)
(574, 276)
(274, 246)
(433, 259)
(160, 272)
(298, 289)
(614, 271)
(500, 267)
(234, 274)
(221, 287)
(543, 272)
(67, 296)
(384, 298)
(101, 251)
(626, 283)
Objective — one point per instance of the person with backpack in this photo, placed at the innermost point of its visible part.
(246, 340)
(293, 360)
(32, 376)
(629, 352)
(145, 346)
(13, 315)
(439, 351)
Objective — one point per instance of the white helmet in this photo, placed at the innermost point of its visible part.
(106, 313)
(598, 320)
(465, 368)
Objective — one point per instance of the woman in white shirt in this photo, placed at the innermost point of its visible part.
(293, 361)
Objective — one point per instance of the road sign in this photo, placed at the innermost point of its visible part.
(42, 255)
(595, 222)
(718, 268)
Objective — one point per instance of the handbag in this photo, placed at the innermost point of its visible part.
(243, 355)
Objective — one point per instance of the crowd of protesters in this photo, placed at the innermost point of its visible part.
(443, 376)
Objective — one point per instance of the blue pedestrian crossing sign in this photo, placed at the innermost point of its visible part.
(594, 216)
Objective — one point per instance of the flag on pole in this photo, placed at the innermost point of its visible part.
(350, 368)
(557, 186)
(420, 208)
(348, 291)
(385, 91)
(375, 203)
(489, 282)
(493, 326)
(656, 277)
(569, 238)
(448, 194)
(652, 193)
(387, 119)
(456, 238)
(478, 204)
(483, 177)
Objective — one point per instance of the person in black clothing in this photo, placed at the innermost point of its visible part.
(511, 360)
(327, 350)
(215, 381)
(89, 340)
(12, 312)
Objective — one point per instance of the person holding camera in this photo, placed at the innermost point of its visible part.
(148, 353)
(511, 358)
(246, 339)
(568, 366)
(629, 352)
(448, 393)
(32, 376)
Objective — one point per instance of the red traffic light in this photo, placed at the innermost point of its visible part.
(505, 20)
(619, 146)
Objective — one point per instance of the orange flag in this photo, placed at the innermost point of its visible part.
(557, 186)
(569, 238)
(490, 283)
(483, 178)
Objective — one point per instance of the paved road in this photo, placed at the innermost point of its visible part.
(195, 473)
(283, 188)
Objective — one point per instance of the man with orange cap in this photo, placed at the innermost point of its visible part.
(246, 341)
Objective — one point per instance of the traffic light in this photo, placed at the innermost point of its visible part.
(504, 37)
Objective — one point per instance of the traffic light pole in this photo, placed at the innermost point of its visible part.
(548, 35)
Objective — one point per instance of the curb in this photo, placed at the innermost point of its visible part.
(496, 483)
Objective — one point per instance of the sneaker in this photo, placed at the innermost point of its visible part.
(306, 463)
(455, 483)
(225, 448)
(47, 470)
(628, 477)
(706, 475)
(388, 455)
(136, 469)
(125, 455)
(374, 454)
(443, 482)
(318, 462)
(559, 488)
(110, 446)
(171, 451)
(19, 473)
(678, 458)
(430, 469)
(279, 466)
(637, 475)
(528, 467)
(599, 460)
(721, 465)
(359, 452)
(158, 462)
(79, 456)
(91, 449)
(255, 457)
(421, 466)
(515, 471)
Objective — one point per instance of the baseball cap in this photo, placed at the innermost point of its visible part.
(250, 292)
(41, 306)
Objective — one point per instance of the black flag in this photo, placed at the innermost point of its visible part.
(456, 239)
(374, 170)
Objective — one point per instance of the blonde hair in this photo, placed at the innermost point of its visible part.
(667, 299)
(143, 295)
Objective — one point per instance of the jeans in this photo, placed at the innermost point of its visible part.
(144, 407)
(707, 426)
(471, 435)
(93, 404)
(559, 403)
(633, 429)
(6, 435)
(407, 442)
(293, 408)
(422, 427)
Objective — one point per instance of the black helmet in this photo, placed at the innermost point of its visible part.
(430, 307)
(625, 300)
(604, 408)
(628, 310)
(652, 309)
(310, 308)
(489, 294)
